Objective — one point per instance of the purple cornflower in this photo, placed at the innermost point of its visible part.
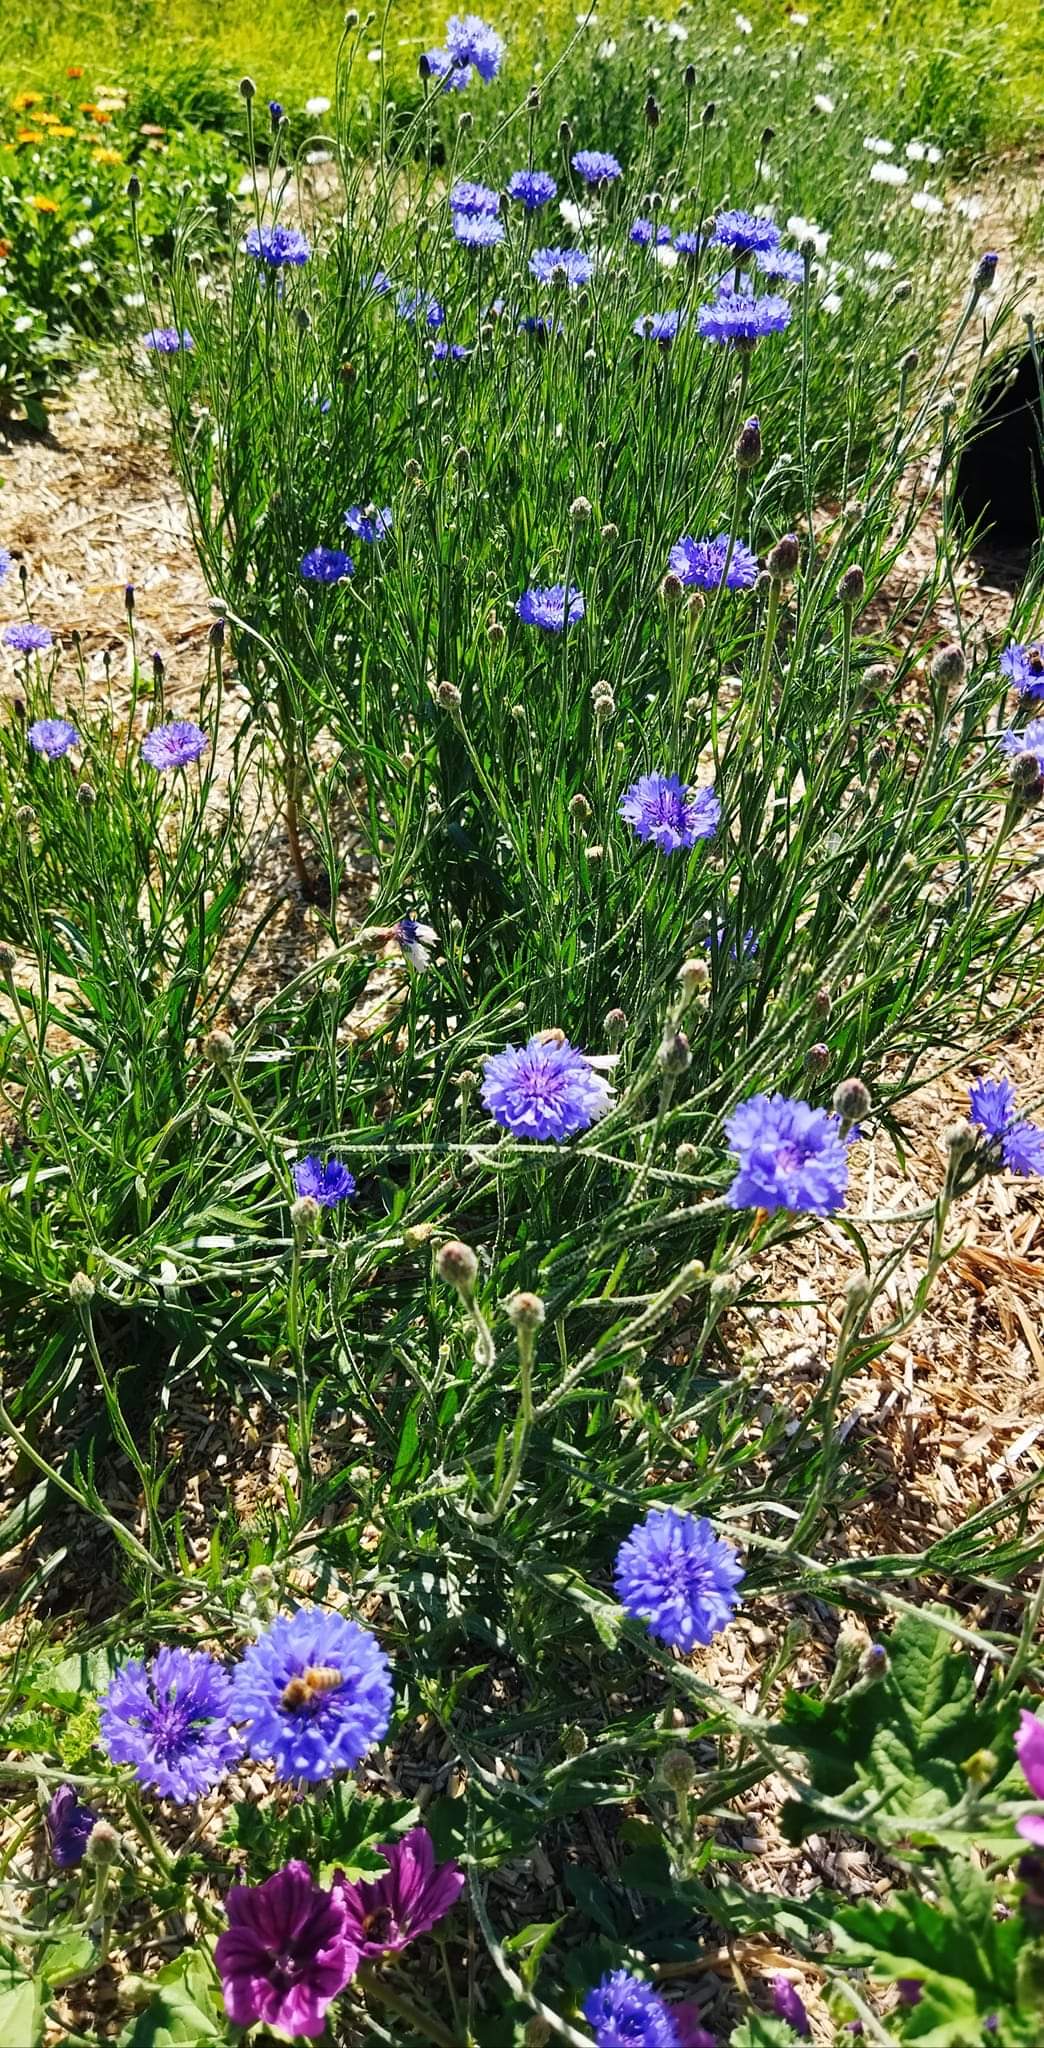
(532, 188)
(738, 320)
(25, 637)
(5, 563)
(168, 341)
(663, 810)
(719, 942)
(595, 166)
(1024, 667)
(172, 1720)
(661, 327)
(441, 67)
(689, 243)
(625, 2012)
(325, 1181)
(416, 306)
(546, 1089)
(678, 1577)
(470, 40)
(277, 246)
(277, 112)
(382, 1914)
(1029, 741)
(69, 1827)
(537, 323)
(1029, 1748)
(568, 265)
(788, 2004)
(551, 607)
(642, 232)
(315, 1692)
(53, 737)
(468, 197)
(415, 942)
(478, 230)
(784, 264)
(791, 1156)
(449, 352)
(744, 233)
(379, 285)
(991, 1105)
(174, 745)
(326, 565)
(699, 564)
(286, 1952)
(369, 523)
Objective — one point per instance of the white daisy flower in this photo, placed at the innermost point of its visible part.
(888, 174)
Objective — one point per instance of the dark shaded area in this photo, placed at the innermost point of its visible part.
(1000, 470)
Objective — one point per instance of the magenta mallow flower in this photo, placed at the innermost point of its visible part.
(1024, 667)
(286, 1953)
(788, 2004)
(546, 1089)
(384, 1913)
(174, 745)
(678, 1577)
(699, 563)
(991, 1105)
(171, 1721)
(1029, 1748)
(791, 1156)
(662, 810)
(69, 1828)
(52, 737)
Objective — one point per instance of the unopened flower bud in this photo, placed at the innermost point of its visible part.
(678, 1770)
(448, 698)
(81, 1290)
(675, 1054)
(1024, 769)
(580, 511)
(574, 1741)
(689, 77)
(603, 703)
(609, 532)
(708, 113)
(526, 1311)
(852, 588)
(852, 1100)
(985, 271)
(247, 88)
(533, 100)
(822, 1003)
(672, 589)
(263, 1578)
(579, 808)
(86, 795)
(8, 959)
(536, 2033)
(901, 291)
(652, 111)
(959, 1138)
(495, 632)
(748, 450)
(948, 666)
(908, 363)
(693, 975)
(817, 1058)
(874, 1663)
(103, 1844)
(782, 559)
(134, 188)
(217, 1048)
(686, 1156)
(857, 1294)
(304, 1215)
(980, 1767)
(25, 816)
(457, 1265)
(614, 1024)
(565, 134)
(417, 1234)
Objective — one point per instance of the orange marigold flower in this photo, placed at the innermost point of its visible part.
(101, 115)
(43, 204)
(23, 100)
(75, 71)
(29, 135)
(106, 156)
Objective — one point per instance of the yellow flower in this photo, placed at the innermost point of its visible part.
(106, 156)
(43, 204)
(48, 120)
(29, 135)
(64, 129)
(23, 100)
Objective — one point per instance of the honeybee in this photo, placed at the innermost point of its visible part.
(554, 1035)
(310, 1686)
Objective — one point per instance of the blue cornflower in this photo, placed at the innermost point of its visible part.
(739, 319)
(25, 637)
(478, 230)
(594, 165)
(379, 285)
(314, 1692)
(718, 941)
(326, 565)
(991, 1105)
(470, 40)
(277, 246)
(174, 745)
(1024, 666)
(172, 1720)
(441, 67)
(414, 306)
(1029, 741)
(468, 197)
(570, 266)
(168, 341)
(5, 563)
(663, 810)
(791, 1156)
(551, 607)
(699, 563)
(678, 1577)
(532, 188)
(368, 523)
(642, 232)
(415, 942)
(625, 2012)
(539, 324)
(745, 233)
(69, 1828)
(784, 264)
(325, 1181)
(688, 243)
(661, 327)
(277, 111)
(449, 352)
(546, 1089)
(53, 737)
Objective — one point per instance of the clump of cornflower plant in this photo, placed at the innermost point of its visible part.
(26, 637)
(678, 1577)
(171, 1720)
(279, 247)
(661, 327)
(174, 745)
(368, 522)
(738, 319)
(532, 189)
(69, 1828)
(596, 166)
(383, 1914)
(52, 737)
(314, 1693)
(626, 2012)
(286, 1953)
(570, 266)
(326, 565)
(326, 1181)
(704, 564)
(665, 812)
(546, 1089)
(791, 1156)
(478, 230)
(1024, 667)
(168, 341)
(550, 606)
(744, 233)
(991, 1105)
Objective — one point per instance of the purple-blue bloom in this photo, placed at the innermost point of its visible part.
(174, 745)
(25, 637)
(415, 942)
(478, 230)
(1029, 741)
(369, 523)
(532, 188)
(991, 1105)
(468, 197)
(718, 942)
(546, 1089)
(449, 351)
(470, 40)
(551, 607)
(596, 165)
(312, 1730)
(172, 1720)
(441, 67)
(569, 265)
(168, 341)
(688, 243)
(699, 564)
(642, 232)
(784, 264)
(413, 306)
(277, 246)
(663, 810)
(69, 1827)
(739, 320)
(625, 2012)
(678, 1577)
(53, 737)
(1024, 666)
(745, 233)
(788, 2004)
(538, 323)
(791, 1156)
(325, 1181)
(326, 565)
(661, 327)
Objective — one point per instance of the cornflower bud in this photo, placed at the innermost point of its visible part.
(748, 450)
(708, 113)
(909, 362)
(134, 188)
(247, 88)
(875, 1663)
(609, 532)
(614, 1024)
(457, 1265)
(782, 559)
(675, 1054)
(686, 1156)
(1024, 769)
(449, 698)
(901, 291)
(86, 796)
(417, 1234)
(565, 134)
(8, 959)
(678, 1770)
(536, 2033)
(533, 100)
(949, 666)
(574, 1741)
(216, 635)
(217, 1048)
(689, 77)
(852, 587)
(103, 1844)
(81, 1290)
(304, 1215)
(672, 589)
(980, 1767)
(852, 1100)
(526, 1311)
(817, 1058)
(822, 1003)
(579, 808)
(985, 271)
(495, 632)
(580, 511)
(693, 975)
(652, 111)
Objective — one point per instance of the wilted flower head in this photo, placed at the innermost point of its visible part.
(532, 189)
(550, 606)
(384, 1913)
(678, 1577)
(368, 523)
(1024, 667)
(626, 2012)
(171, 1719)
(738, 320)
(286, 1952)
(700, 564)
(168, 341)
(53, 737)
(326, 1181)
(326, 565)
(314, 1692)
(174, 745)
(594, 165)
(991, 1105)
(791, 1156)
(25, 637)
(788, 2005)
(744, 233)
(663, 810)
(571, 265)
(546, 1089)
(69, 1827)
(278, 246)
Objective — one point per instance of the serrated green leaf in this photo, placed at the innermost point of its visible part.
(759, 2031)
(182, 2011)
(63, 1960)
